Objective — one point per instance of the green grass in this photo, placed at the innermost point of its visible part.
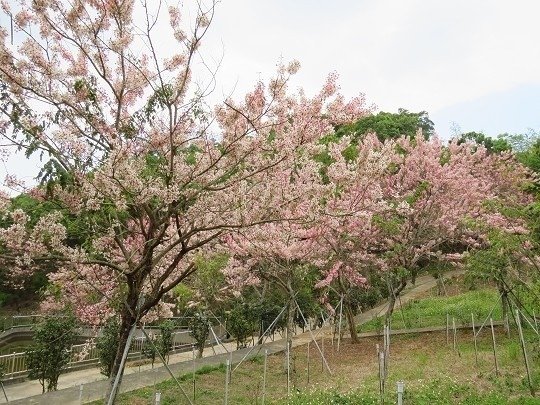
(436, 392)
(432, 311)
(433, 372)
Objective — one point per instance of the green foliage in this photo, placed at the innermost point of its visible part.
(207, 281)
(432, 311)
(390, 125)
(165, 340)
(242, 322)
(107, 345)
(199, 326)
(161, 344)
(50, 352)
(149, 349)
(493, 145)
(183, 295)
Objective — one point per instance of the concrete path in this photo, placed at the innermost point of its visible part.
(95, 384)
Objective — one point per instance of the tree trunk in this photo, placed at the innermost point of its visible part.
(441, 290)
(261, 331)
(505, 303)
(394, 294)
(291, 310)
(350, 320)
(125, 328)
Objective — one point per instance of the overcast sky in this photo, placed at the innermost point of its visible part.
(475, 63)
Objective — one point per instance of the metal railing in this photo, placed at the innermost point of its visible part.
(15, 365)
(19, 321)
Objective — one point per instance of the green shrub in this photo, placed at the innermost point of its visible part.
(51, 351)
(107, 345)
(199, 326)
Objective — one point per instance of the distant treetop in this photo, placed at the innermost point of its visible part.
(389, 125)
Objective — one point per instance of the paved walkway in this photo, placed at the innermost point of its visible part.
(95, 384)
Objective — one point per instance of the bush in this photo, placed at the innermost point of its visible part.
(51, 351)
(107, 345)
(241, 323)
(161, 343)
(165, 339)
(199, 327)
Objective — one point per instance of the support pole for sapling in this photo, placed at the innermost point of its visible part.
(524, 350)
(313, 339)
(122, 362)
(322, 354)
(339, 325)
(474, 338)
(288, 368)
(227, 374)
(193, 364)
(308, 362)
(381, 374)
(264, 376)
(447, 328)
(400, 391)
(494, 347)
(455, 333)
(4, 391)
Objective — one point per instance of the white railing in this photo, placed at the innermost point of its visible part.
(14, 365)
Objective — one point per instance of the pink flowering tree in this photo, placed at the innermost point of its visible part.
(132, 151)
(348, 231)
(437, 194)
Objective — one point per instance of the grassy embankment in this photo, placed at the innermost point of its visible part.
(432, 371)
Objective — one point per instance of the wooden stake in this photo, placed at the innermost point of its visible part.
(494, 348)
(518, 320)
